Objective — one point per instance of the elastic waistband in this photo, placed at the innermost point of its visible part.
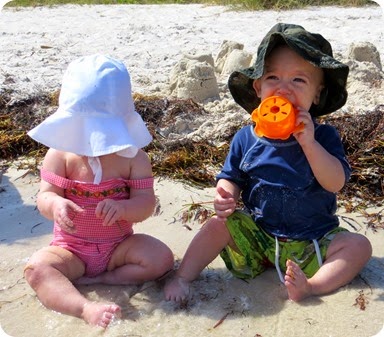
(284, 239)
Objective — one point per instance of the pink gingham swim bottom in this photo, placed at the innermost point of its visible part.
(95, 255)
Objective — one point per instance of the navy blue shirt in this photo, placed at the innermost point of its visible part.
(278, 186)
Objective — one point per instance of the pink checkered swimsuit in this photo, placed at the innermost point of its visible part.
(93, 243)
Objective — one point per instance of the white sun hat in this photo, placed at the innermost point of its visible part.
(96, 114)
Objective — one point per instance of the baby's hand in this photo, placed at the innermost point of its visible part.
(306, 135)
(110, 211)
(224, 203)
(64, 211)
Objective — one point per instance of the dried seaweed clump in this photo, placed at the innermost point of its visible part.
(198, 162)
(183, 159)
(194, 162)
(16, 119)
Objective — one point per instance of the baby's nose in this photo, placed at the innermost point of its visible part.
(283, 90)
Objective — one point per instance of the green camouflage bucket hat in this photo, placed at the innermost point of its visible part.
(312, 47)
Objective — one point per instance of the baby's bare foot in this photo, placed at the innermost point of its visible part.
(177, 289)
(100, 314)
(296, 282)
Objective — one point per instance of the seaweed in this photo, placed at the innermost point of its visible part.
(198, 162)
(363, 138)
(17, 118)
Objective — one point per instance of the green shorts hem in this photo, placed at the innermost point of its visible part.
(256, 249)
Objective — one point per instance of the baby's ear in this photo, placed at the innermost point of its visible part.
(319, 101)
(320, 93)
(257, 86)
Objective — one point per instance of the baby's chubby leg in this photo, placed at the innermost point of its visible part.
(50, 271)
(203, 249)
(347, 254)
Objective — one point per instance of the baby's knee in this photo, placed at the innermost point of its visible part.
(37, 268)
(360, 241)
(353, 242)
(218, 225)
(365, 245)
(32, 273)
(165, 261)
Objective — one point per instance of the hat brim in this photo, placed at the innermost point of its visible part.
(91, 136)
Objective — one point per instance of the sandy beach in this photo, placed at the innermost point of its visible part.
(36, 46)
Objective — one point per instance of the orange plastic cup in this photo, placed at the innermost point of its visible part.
(275, 118)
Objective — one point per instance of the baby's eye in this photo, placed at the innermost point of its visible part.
(299, 80)
(271, 77)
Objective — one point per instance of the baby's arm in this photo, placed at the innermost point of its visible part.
(141, 202)
(327, 169)
(50, 200)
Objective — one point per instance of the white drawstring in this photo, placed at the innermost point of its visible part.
(277, 257)
(318, 254)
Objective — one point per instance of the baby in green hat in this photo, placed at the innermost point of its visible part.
(288, 186)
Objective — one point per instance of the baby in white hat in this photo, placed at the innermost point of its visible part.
(96, 182)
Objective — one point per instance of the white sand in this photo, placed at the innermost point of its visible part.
(36, 46)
